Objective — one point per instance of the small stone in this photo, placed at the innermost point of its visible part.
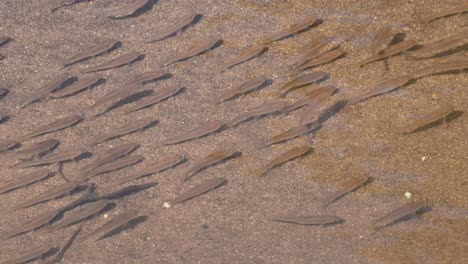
(408, 195)
(167, 205)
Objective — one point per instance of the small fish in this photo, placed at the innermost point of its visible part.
(27, 179)
(293, 29)
(245, 87)
(90, 210)
(127, 10)
(145, 77)
(210, 160)
(348, 187)
(438, 68)
(93, 51)
(440, 46)
(35, 223)
(29, 254)
(323, 58)
(285, 157)
(77, 87)
(399, 213)
(390, 51)
(290, 134)
(311, 51)
(201, 131)
(457, 9)
(453, 58)
(59, 124)
(381, 40)
(52, 159)
(309, 220)
(183, 22)
(128, 128)
(6, 144)
(54, 193)
(200, 189)
(56, 83)
(112, 166)
(109, 156)
(35, 150)
(201, 47)
(265, 109)
(310, 96)
(4, 40)
(244, 55)
(434, 116)
(383, 87)
(156, 167)
(111, 99)
(122, 60)
(159, 96)
(303, 81)
(314, 105)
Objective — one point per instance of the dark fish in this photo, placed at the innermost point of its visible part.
(52, 159)
(381, 40)
(383, 87)
(111, 99)
(265, 109)
(303, 81)
(35, 223)
(442, 67)
(457, 9)
(109, 156)
(201, 47)
(350, 186)
(438, 114)
(112, 166)
(27, 179)
(128, 9)
(399, 213)
(440, 46)
(323, 58)
(290, 134)
(244, 55)
(390, 51)
(285, 157)
(4, 40)
(35, 150)
(29, 254)
(60, 124)
(199, 189)
(76, 87)
(309, 220)
(210, 160)
(159, 96)
(177, 26)
(90, 210)
(156, 167)
(145, 77)
(122, 60)
(56, 83)
(201, 131)
(244, 88)
(128, 128)
(313, 106)
(92, 51)
(6, 144)
(310, 96)
(54, 193)
(293, 29)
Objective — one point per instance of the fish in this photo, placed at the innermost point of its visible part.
(323, 58)
(246, 87)
(440, 46)
(157, 97)
(210, 160)
(265, 109)
(312, 51)
(201, 47)
(383, 87)
(27, 179)
(128, 128)
(111, 99)
(29, 254)
(285, 157)
(438, 68)
(199, 189)
(54, 84)
(121, 60)
(90, 210)
(112, 166)
(33, 224)
(145, 77)
(57, 125)
(3, 92)
(245, 55)
(110, 155)
(92, 51)
(301, 102)
(52, 159)
(156, 167)
(58, 257)
(381, 40)
(77, 87)
(399, 213)
(430, 118)
(127, 10)
(453, 58)
(348, 187)
(290, 134)
(390, 51)
(183, 22)
(4, 40)
(456, 9)
(291, 30)
(53, 193)
(201, 131)
(314, 105)
(35, 150)
(309, 220)
(6, 144)
(303, 81)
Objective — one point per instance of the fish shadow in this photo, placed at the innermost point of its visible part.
(127, 100)
(262, 146)
(315, 24)
(343, 55)
(4, 93)
(195, 21)
(324, 79)
(182, 161)
(219, 130)
(145, 8)
(399, 37)
(164, 77)
(447, 119)
(117, 45)
(129, 226)
(233, 156)
(279, 112)
(264, 49)
(128, 190)
(183, 89)
(218, 44)
(92, 86)
(4, 119)
(266, 83)
(331, 111)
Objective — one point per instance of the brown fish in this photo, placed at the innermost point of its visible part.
(383, 87)
(293, 29)
(201, 131)
(145, 77)
(434, 116)
(54, 193)
(29, 254)
(390, 51)
(33, 224)
(441, 68)
(35, 150)
(265, 109)
(309, 51)
(244, 55)
(127, 10)
(304, 80)
(314, 105)
(301, 102)
(56, 83)
(156, 167)
(245, 87)
(399, 213)
(27, 179)
(6, 144)
(440, 46)
(90, 210)
(201, 47)
(285, 157)
(52, 159)
(323, 58)
(77, 87)
(110, 155)
(290, 134)
(93, 51)
(199, 189)
(348, 187)
(457, 9)
(381, 40)
(57, 125)
(210, 160)
(128, 128)
(113, 166)
(122, 60)
(309, 220)
(159, 96)
(183, 22)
